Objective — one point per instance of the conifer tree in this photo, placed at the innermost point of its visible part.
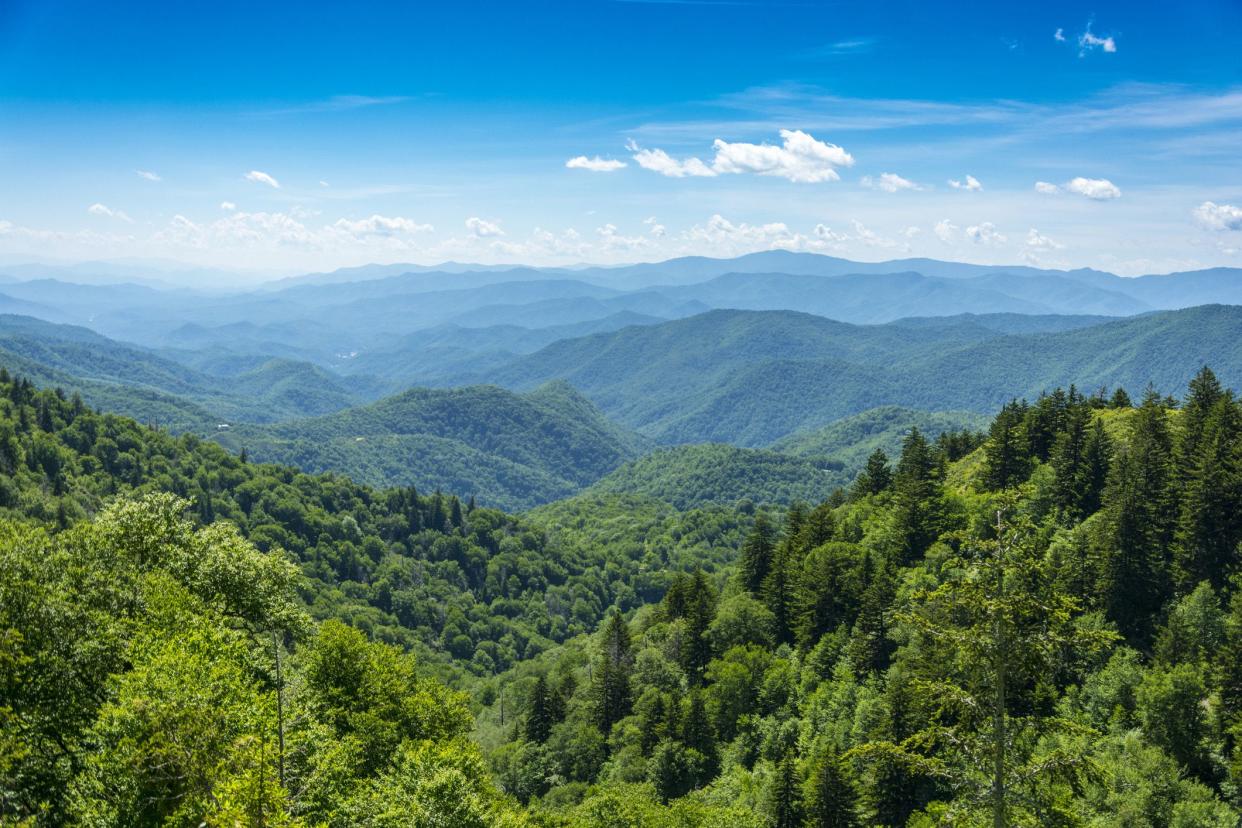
(918, 511)
(1210, 524)
(829, 797)
(539, 718)
(784, 798)
(611, 690)
(875, 477)
(757, 553)
(780, 592)
(988, 637)
(1007, 449)
(1140, 524)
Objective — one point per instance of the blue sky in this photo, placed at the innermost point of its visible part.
(282, 137)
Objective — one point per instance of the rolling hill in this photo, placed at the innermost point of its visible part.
(751, 378)
(506, 449)
(692, 476)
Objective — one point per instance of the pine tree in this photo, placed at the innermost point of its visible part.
(988, 637)
(1120, 399)
(1210, 524)
(699, 611)
(1097, 457)
(757, 552)
(817, 529)
(611, 691)
(1007, 449)
(539, 714)
(783, 803)
(918, 499)
(1140, 524)
(875, 477)
(829, 796)
(1204, 393)
(780, 593)
(1068, 456)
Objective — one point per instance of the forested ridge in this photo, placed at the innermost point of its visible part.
(1045, 629)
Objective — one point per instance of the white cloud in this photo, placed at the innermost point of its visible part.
(228, 205)
(483, 229)
(262, 178)
(148, 175)
(1088, 41)
(1100, 189)
(612, 241)
(720, 234)
(1219, 216)
(971, 183)
(800, 158)
(657, 160)
(1059, 35)
(382, 226)
(323, 183)
(108, 212)
(889, 183)
(827, 234)
(1046, 188)
(595, 164)
(1036, 240)
(869, 237)
(945, 230)
(911, 231)
(985, 233)
(654, 227)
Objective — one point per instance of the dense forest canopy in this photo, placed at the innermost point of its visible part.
(1042, 628)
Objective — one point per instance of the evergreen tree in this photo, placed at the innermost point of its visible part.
(1210, 524)
(1202, 396)
(611, 691)
(1007, 449)
(783, 803)
(1093, 469)
(539, 713)
(919, 510)
(699, 610)
(1120, 399)
(876, 476)
(757, 553)
(780, 592)
(1140, 524)
(989, 637)
(829, 796)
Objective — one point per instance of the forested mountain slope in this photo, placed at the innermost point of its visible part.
(510, 450)
(1068, 591)
(1072, 580)
(751, 378)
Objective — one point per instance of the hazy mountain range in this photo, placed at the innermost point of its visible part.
(547, 380)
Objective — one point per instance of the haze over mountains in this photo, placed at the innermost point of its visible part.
(522, 385)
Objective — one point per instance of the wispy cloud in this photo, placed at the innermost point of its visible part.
(262, 178)
(1088, 42)
(1097, 189)
(107, 212)
(595, 164)
(971, 184)
(842, 48)
(889, 183)
(800, 158)
(148, 175)
(339, 103)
